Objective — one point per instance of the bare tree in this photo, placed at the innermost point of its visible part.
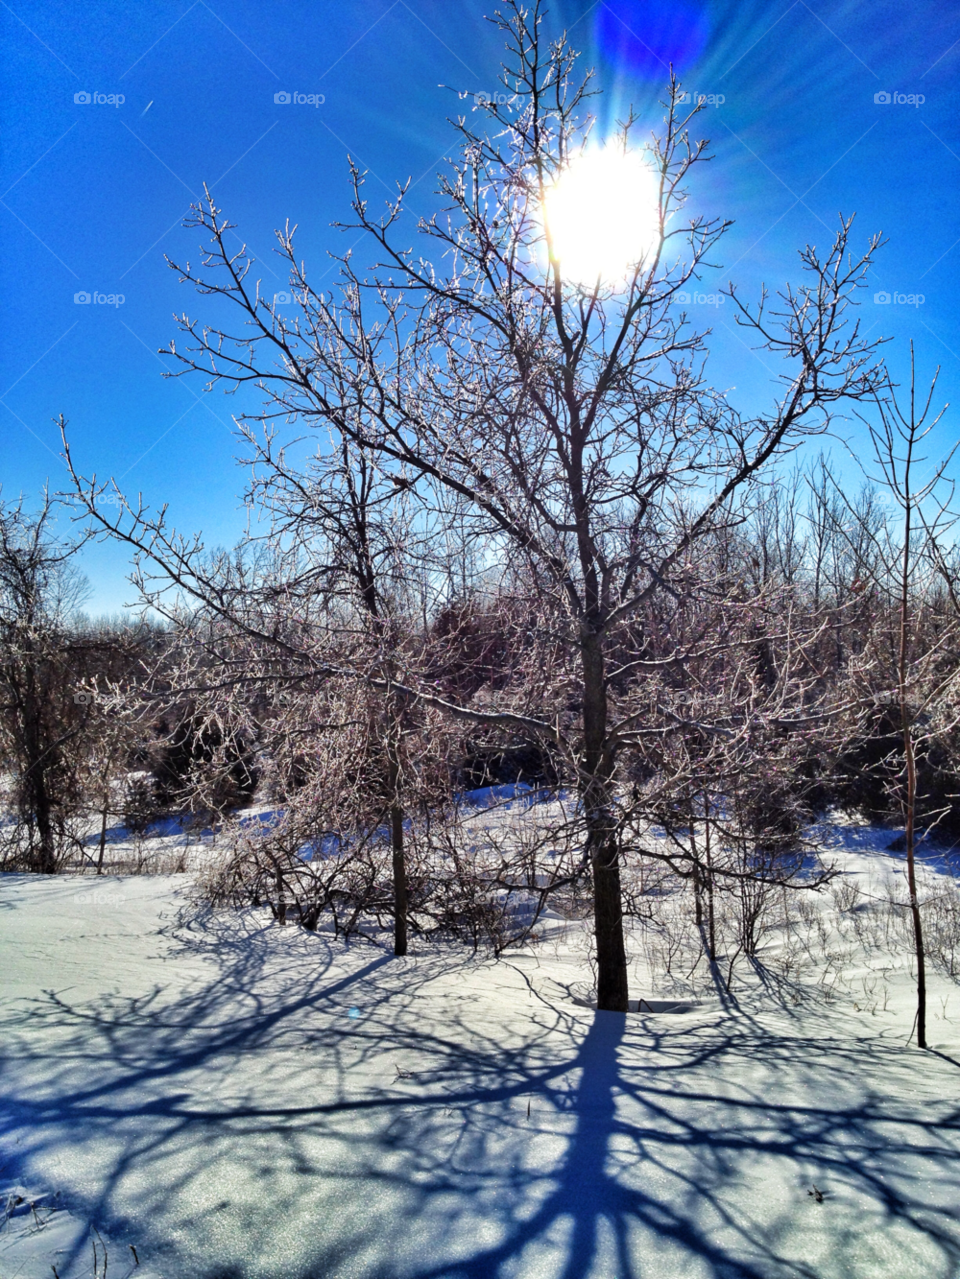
(114, 733)
(43, 703)
(344, 533)
(572, 425)
(897, 441)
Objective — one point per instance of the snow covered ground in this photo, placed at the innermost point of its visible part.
(237, 1100)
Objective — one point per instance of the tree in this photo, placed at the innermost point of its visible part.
(113, 731)
(44, 706)
(906, 570)
(571, 424)
(344, 532)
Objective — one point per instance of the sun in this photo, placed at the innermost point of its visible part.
(602, 215)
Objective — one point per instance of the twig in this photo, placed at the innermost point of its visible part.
(96, 1273)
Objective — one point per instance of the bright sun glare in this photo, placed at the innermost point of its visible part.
(602, 216)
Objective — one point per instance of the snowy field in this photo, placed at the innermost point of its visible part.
(235, 1100)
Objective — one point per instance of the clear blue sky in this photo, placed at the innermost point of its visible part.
(93, 193)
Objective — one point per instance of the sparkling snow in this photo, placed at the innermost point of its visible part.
(238, 1100)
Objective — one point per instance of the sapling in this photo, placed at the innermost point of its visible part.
(897, 440)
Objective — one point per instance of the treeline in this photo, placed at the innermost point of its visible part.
(767, 694)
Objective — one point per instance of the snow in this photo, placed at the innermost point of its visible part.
(238, 1100)
(503, 795)
(39, 1236)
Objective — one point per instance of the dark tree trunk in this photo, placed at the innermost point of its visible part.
(910, 763)
(912, 882)
(602, 843)
(399, 881)
(608, 924)
(711, 930)
(40, 757)
(394, 782)
(697, 875)
(281, 900)
(47, 859)
(103, 837)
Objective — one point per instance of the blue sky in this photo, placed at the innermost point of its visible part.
(94, 192)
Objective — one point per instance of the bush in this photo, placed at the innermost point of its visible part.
(140, 807)
(201, 767)
(870, 769)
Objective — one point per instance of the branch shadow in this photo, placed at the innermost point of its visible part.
(282, 1105)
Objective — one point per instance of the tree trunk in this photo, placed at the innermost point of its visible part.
(599, 813)
(102, 824)
(394, 773)
(281, 899)
(910, 763)
(697, 889)
(39, 758)
(399, 881)
(912, 882)
(711, 930)
(103, 839)
(608, 926)
(47, 860)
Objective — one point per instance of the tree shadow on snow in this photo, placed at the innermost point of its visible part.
(280, 1105)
